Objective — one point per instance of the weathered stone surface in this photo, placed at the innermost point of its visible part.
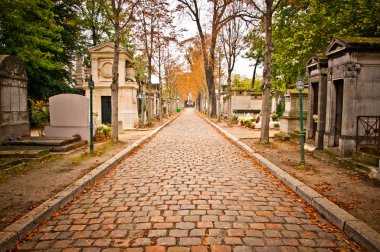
(14, 118)
(364, 234)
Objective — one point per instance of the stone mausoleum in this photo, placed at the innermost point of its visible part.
(101, 71)
(352, 93)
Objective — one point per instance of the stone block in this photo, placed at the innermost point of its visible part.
(363, 234)
(282, 136)
(307, 193)
(332, 212)
(7, 240)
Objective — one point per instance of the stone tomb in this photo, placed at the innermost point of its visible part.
(101, 71)
(353, 89)
(290, 120)
(243, 102)
(14, 117)
(69, 116)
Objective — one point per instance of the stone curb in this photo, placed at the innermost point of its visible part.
(354, 228)
(15, 232)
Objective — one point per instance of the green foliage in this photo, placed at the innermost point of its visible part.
(240, 82)
(276, 125)
(94, 21)
(280, 109)
(104, 130)
(305, 27)
(250, 124)
(44, 34)
(39, 113)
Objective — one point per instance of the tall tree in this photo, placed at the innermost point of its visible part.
(120, 14)
(232, 38)
(266, 8)
(44, 34)
(219, 16)
(154, 19)
(93, 20)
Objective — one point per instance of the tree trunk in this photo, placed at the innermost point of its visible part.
(115, 86)
(211, 89)
(265, 110)
(229, 100)
(159, 84)
(149, 98)
(254, 75)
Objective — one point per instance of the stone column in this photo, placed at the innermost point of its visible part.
(328, 136)
(349, 113)
(322, 98)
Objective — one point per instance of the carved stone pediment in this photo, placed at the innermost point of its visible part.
(335, 46)
(12, 67)
(108, 49)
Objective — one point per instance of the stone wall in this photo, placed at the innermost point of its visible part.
(14, 117)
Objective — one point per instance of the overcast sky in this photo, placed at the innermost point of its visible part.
(243, 66)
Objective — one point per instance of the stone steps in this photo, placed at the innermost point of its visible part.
(53, 144)
(41, 141)
(23, 153)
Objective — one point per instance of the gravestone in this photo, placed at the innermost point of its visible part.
(14, 117)
(69, 116)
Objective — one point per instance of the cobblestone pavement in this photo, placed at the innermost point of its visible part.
(188, 189)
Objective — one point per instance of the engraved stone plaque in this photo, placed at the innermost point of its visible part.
(15, 99)
(5, 99)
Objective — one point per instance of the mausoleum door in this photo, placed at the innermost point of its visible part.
(338, 111)
(315, 87)
(106, 109)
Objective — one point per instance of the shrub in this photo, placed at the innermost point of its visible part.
(251, 125)
(275, 117)
(103, 132)
(39, 115)
(276, 125)
(280, 109)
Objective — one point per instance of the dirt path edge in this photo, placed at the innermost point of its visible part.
(354, 228)
(15, 232)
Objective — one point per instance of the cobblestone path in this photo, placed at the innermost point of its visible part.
(188, 189)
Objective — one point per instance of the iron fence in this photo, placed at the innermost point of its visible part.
(367, 132)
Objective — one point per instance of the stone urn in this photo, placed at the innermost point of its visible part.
(130, 74)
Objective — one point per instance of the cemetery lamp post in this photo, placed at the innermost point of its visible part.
(91, 86)
(300, 85)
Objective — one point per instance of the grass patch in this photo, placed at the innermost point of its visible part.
(26, 165)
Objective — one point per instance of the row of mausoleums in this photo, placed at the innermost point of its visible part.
(344, 95)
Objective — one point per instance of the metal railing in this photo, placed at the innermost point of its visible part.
(367, 132)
